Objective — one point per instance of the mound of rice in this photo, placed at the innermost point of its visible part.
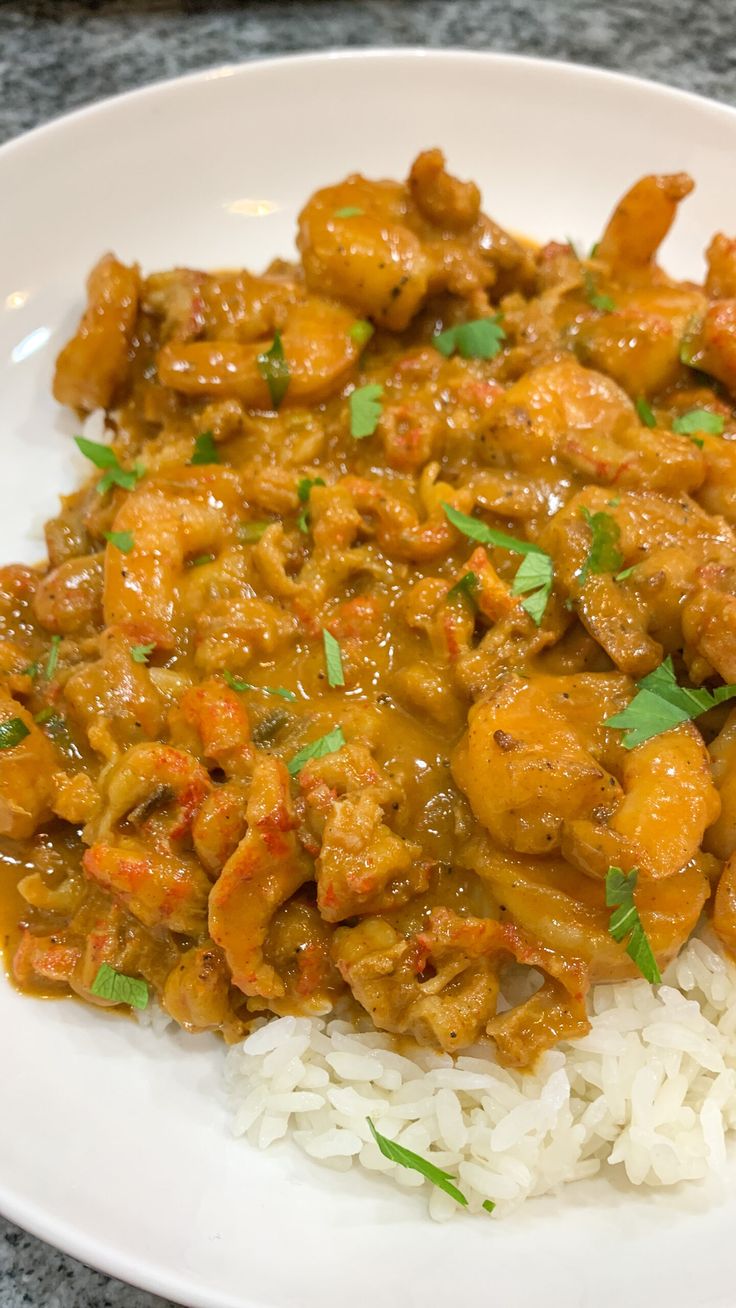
(651, 1089)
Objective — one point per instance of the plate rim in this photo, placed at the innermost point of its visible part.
(145, 1275)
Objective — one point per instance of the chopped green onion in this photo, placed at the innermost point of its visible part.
(236, 683)
(274, 370)
(251, 532)
(12, 732)
(645, 412)
(361, 332)
(122, 540)
(349, 211)
(397, 1153)
(53, 657)
(205, 450)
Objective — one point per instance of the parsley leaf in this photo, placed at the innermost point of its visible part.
(645, 412)
(465, 588)
(122, 540)
(621, 576)
(333, 659)
(660, 704)
(625, 921)
(597, 301)
(304, 490)
(488, 1205)
(328, 744)
(250, 532)
(274, 370)
(480, 339)
(120, 989)
(603, 552)
(12, 732)
(53, 657)
(236, 683)
(361, 331)
(696, 420)
(536, 574)
(205, 450)
(140, 653)
(104, 457)
(365, 410)
(201, 559)
(397, 1153)
(349, 211)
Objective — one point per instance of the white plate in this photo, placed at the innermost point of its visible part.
(114, 1145)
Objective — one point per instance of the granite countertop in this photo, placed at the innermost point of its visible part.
(57, 54)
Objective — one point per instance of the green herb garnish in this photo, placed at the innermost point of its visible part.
(104, 457)
(465, 588)
(645, 412)
(621, 576)
(120, 989)
(328, 744)
(122, 540)
(397, 1153)
(142, 653)
(304, 490)
(205, 450)
(625, 921)
(53, 657)
(536, 573)
(201, 559)
(45, 715)
(603, 554)
(250, 532)
(480, 339)
(597, 301)
(361, 332)
(31, 671)
(12, 732)
(236, 683)
(365, 410)
(696, 420)
(274, 370)
(349, 211)
(333, 659)
(660, 704)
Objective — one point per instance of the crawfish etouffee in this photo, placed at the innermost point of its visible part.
(391, 641)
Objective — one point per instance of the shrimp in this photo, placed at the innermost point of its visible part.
(266, 869)
(638, 342)
(720, 838)
(363, 866)
(543, 773)
(69, 598)
(713, 347)
(170, 519)
(219, 825)
(92, 369)
(641, 220)
(720, 282)
(455, 1002)
(683, 559)
(566, 909)
(113, 698)
(26, 770)
(156, 789)
(321, 356)
(211, 720)
(159, 889)
(197, 990)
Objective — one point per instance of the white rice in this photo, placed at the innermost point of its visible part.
(650, 1092)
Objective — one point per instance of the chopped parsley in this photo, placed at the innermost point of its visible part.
(105, 458)
(465, 588)
(625, 921)
(328, 744)
(122, 540)
(44, 716)
(120, 989)
(365, 410)
(201, 559)
(660, 704)
(142, 653)
(250, 532)
(397, 1153)
(53, 657)
(480, 339)
(603, 554)
(349, 211)
(12, 732)
(696, 420)
(236, 683)
(604, 303)
(205, 450)
(361, 331)
(621, 576)
(536, 573)
(333, 659)
(274, 370)
(645, 412)
(304, 490)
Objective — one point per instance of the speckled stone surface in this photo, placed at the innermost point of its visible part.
(58, 54)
